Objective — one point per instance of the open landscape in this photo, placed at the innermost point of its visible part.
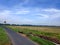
(4, 39)
(29, 22)
(41, 35)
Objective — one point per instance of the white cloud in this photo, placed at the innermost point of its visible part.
(14, 16)
(43, 13)
(51, 10)
(4, 13)
(22, 12)
(52, 13)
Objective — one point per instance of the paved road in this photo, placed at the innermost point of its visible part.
(18, 39)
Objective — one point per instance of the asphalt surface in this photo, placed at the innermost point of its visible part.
(17, 39)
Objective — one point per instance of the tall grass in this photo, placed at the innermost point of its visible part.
(53, 33)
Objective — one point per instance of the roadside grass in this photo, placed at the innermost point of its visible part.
(28, 31)
(4, 40)
(41, 41)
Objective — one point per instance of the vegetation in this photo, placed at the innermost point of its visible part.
(41, 41)
(46, 31)
(4, 40)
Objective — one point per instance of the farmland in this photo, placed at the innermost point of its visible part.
(4, 40)
(41, 35)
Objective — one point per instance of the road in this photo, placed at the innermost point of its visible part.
(17, 39)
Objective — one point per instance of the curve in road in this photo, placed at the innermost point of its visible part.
(18, 39)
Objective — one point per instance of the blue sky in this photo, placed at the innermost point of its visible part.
(36, 12)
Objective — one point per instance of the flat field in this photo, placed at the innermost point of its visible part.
(44, 29)
(47, 32)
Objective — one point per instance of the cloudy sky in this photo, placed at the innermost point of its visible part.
(36, 12)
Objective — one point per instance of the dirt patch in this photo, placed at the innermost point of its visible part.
(53, 39)
(23, 35)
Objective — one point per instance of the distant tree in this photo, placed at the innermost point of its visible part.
(4, 22)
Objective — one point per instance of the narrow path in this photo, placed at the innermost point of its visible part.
(18, 39)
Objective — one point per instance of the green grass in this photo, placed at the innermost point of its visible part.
(3, 37)
(41, 41)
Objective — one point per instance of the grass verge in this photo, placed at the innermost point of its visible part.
(41, 41)
(4, 40)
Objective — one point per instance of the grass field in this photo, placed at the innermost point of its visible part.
(4, 40)
(46, 31)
